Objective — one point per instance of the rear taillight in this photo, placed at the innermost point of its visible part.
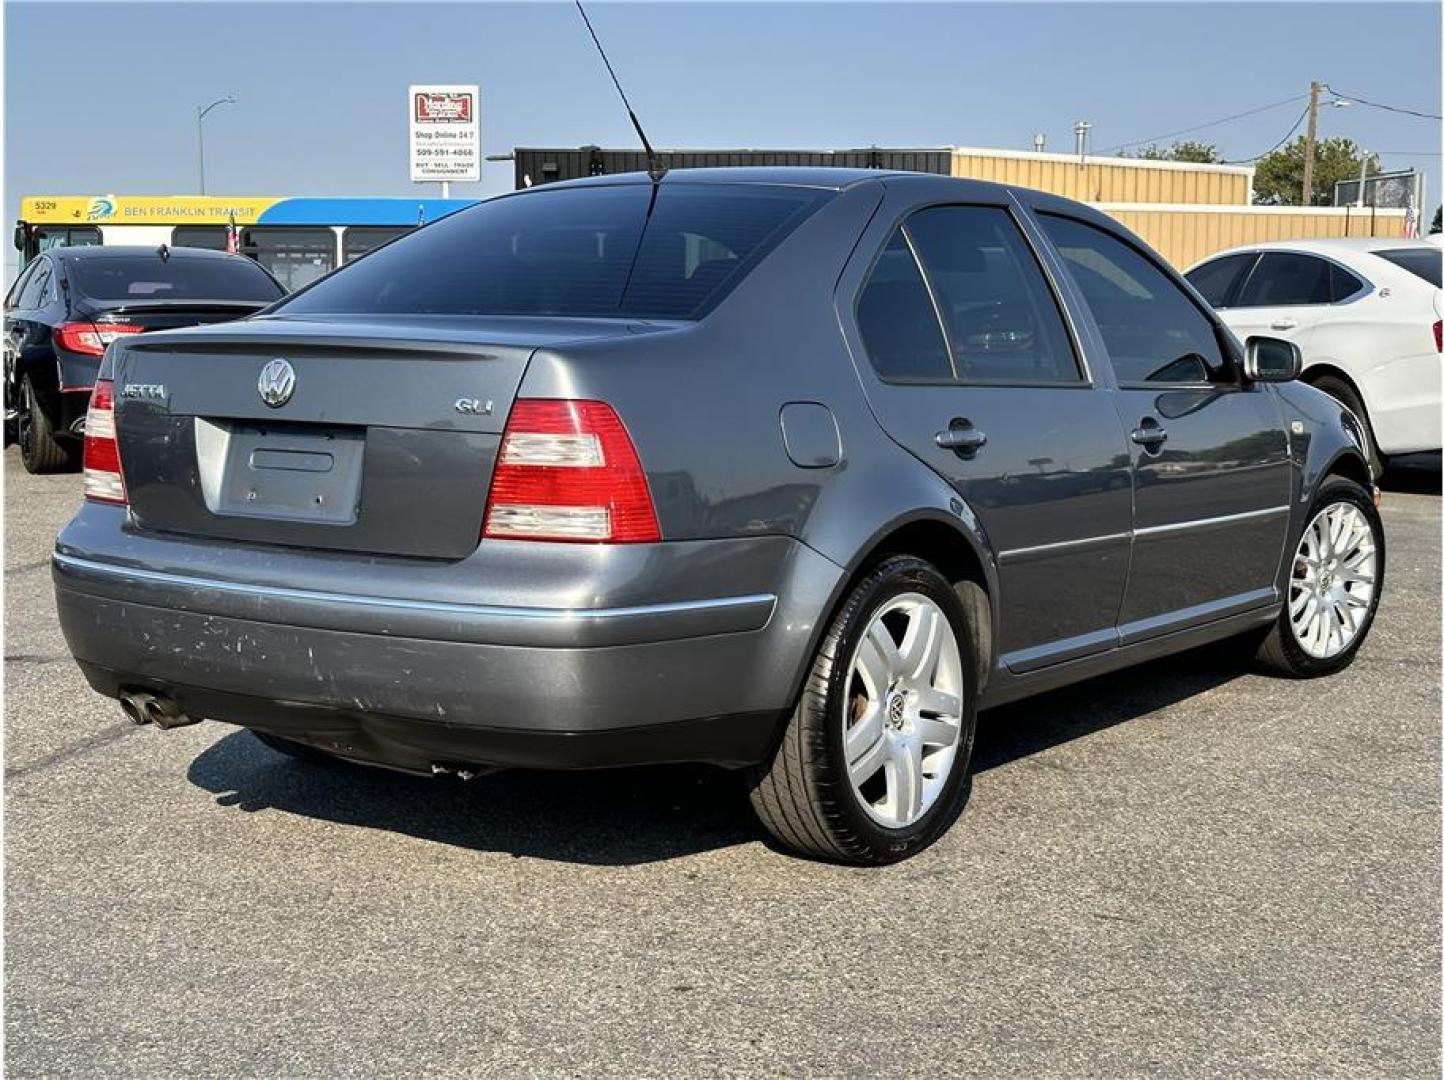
(567, 470)
(103, 482)
(91, 338)
(1439, 335)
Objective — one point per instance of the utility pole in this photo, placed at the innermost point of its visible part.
(1309, 140)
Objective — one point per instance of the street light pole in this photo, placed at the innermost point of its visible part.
(201, 136)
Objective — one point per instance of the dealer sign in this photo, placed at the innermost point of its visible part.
(445, 133)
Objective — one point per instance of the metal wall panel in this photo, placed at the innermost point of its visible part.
(1107, 179)
(543, 165)
(1184, 235)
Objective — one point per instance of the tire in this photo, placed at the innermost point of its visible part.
(40, 452)
(805, 797)
(1349, 398)
(1287, 650)
(297, 750)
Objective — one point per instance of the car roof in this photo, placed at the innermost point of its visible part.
(796, 175)
(99, 251)
(1336, 246)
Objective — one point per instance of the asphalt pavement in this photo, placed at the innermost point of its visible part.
(1184, 869)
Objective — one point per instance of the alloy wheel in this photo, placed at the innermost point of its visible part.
(904, 710)
(1331, 588)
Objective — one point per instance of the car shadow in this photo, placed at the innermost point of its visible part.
(1414, 474)
(1024, 728)
(625, 817)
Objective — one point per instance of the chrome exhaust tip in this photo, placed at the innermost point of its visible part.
(163, 712)
(134, 707)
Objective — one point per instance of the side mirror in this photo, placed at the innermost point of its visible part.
(1270, 359)
(20, 235)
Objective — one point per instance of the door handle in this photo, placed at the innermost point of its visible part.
(1284, 324)
(1148, 434)
(961, 437)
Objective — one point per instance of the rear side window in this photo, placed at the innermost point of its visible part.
(1217, 281)
(898, 323)
(1420, 262)
(1153, 331)
(33, 294)
(177, 278)
(631, 250)
(1286, 279)
(1003, 323)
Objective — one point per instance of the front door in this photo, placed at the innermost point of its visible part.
(1212, 474)
(978, 376)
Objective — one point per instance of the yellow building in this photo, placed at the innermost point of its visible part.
(1108, 179)
(1185, 211)
(1185, 234)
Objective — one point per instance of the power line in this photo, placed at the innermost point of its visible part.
(1386, 108)
(1275, 146)
(1209, 124)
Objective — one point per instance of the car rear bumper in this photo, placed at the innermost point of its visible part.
(485, 674)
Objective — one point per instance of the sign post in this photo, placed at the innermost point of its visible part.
(445, 135)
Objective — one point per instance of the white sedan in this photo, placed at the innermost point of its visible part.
(1366, 314)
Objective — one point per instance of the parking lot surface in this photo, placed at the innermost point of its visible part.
(1186, 868)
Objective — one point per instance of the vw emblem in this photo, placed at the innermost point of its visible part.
(277, 383)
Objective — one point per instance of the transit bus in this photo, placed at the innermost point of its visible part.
(296, 239)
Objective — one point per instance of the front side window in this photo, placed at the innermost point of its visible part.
(898, 322)
(1153, 332)
(1217, 281)
(1287, 279)
(626, 250)
(1002, 321)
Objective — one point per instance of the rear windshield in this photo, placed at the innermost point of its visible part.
(149, 277)
(1420, 262)
(599, 251)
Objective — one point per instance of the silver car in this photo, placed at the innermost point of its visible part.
(790, 471)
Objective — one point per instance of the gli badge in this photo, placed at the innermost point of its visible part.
(277, 383)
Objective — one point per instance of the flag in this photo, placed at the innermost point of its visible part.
(233, 236)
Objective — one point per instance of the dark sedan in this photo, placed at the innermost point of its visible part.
(791, 471)
(70, 303)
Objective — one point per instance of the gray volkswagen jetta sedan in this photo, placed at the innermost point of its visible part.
(788, 471)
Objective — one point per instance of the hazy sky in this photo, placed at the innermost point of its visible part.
(101, 98)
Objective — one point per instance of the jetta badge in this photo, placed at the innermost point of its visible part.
(277, 383)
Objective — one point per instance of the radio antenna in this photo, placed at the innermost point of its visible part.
(655, 169)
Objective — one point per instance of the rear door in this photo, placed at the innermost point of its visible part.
(1287, 294)
(1211, 463)
(971, 366)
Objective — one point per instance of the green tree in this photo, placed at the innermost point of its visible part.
(1188, 150)
(1279, 180)
(1438, 226)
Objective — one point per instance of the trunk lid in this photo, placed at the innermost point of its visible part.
(385, 443)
